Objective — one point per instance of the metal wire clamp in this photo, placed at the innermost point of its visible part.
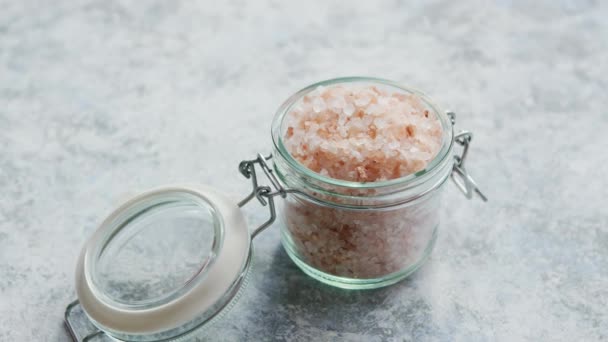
(264, 193)
(459, 175)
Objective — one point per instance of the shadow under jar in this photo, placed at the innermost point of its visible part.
(361, 235)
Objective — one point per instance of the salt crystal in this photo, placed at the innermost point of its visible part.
(383, 101)
(337, 103)
(362, 101)
(348, 109)
(375, 109)
(318, 105)
(298, 108)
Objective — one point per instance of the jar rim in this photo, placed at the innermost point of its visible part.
(151, 205)
(437, 161)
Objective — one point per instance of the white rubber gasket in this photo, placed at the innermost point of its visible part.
(217, 280)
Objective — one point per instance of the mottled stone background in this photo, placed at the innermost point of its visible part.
(101, 98)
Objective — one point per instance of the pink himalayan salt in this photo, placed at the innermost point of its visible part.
(362, 134)
(361, 244)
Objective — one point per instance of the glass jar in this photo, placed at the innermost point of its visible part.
(361, 235)
(168, 262)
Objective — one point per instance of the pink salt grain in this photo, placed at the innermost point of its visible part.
(362, 134)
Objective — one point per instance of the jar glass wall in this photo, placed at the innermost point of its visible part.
(360, 234)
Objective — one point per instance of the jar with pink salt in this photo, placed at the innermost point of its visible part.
(361, 164)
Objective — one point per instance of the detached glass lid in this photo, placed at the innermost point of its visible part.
(163, 263)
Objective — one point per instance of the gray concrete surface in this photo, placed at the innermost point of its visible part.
(101, 98)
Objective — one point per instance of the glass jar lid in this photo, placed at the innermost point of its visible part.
(164, 263)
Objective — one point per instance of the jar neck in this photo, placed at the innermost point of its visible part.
(410, 191)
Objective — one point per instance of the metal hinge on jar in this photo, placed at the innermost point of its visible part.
(265, 194)
(459, 175)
